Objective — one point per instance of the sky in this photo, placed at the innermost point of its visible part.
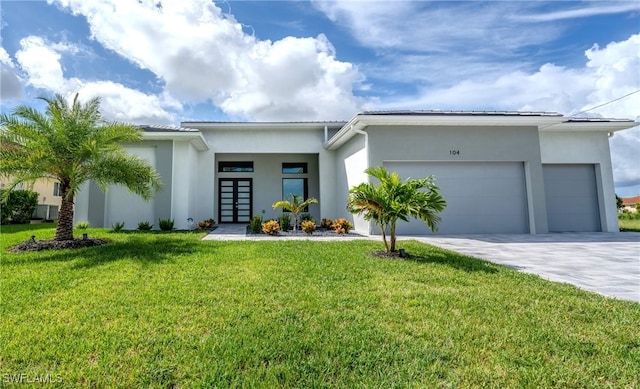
(167, 61)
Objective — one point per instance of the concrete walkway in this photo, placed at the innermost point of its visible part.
(605, 263)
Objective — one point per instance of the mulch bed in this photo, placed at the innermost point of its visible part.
(320, 232)
(38, 245)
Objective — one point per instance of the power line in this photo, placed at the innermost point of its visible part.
(597, 106)
(608, 102)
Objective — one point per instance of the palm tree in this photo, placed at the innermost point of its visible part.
(393, 200)
(73, 144)
(295, 206)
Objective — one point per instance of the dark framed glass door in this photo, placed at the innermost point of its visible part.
(234, 200)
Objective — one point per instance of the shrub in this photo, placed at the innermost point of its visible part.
(308, 226)
(206, 224)
(306, 216)
(285, 222)
(295, 206)
(326, 223)
(342, 226)
(145, 226)
(255, 224)
(627, 215)
(17, 206)
(271, 227)
(118, 226)
(166, 224)
(82, 225)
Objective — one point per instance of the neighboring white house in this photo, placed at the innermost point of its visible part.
(500, 172)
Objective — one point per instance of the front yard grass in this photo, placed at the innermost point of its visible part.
(169, 310)
(629, 224)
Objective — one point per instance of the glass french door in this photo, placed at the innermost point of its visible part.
(234, 200)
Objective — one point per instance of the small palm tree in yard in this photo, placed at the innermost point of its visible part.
(394, 199)
(72, 143)
(296, 206)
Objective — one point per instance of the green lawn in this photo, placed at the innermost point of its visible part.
(169, 310)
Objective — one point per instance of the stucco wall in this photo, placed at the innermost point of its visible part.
(123, 206)
(118, 204)
(452, 143)
(351, 162)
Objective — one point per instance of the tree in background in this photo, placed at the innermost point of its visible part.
(72, 143)
(618, 202)
(394, 199)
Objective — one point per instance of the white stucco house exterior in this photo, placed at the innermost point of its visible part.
(500, 172)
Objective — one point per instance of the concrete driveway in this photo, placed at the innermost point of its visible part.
(605, 263)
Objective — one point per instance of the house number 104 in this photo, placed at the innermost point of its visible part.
(454, 152)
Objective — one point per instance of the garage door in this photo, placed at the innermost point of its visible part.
(572, 198)
(482, 197)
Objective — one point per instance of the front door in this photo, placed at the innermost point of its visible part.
(234, 200)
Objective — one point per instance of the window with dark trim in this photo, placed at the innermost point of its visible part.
(294, 168)
(235, 167)
(56, 189)
(295, 186)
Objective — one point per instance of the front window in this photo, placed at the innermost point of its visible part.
(235, 167)
(56, 189)
(294, 168)
(295, 187)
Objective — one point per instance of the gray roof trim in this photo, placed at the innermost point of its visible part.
(194, 136)
(592, 124)
(158, 128)
(442, 118)
(206, 126)
(437, 112)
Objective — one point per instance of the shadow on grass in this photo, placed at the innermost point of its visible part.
(150, 250)
(18, 228)
(457, 261)
(427, 254)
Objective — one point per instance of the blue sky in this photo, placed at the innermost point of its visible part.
(163, 62)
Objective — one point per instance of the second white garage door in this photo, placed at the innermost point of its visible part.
(482, 197)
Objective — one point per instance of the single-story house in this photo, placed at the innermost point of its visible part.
(630, 203)
(500, 172)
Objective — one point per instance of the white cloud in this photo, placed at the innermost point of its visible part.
(40, 61)
(584, 11)
(11, 87)
(120, 103)
(437, 27)
(204, 55)
(616, 70)
(441, 43)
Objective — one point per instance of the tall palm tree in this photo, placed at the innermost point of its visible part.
(72, 143)
(394, 199)
(296, 206)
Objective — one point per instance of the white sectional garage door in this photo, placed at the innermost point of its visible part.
(482, 197)
(572, 198)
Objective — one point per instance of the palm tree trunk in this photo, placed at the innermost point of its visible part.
(384, 237)
(392, 232)
(64, 230)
